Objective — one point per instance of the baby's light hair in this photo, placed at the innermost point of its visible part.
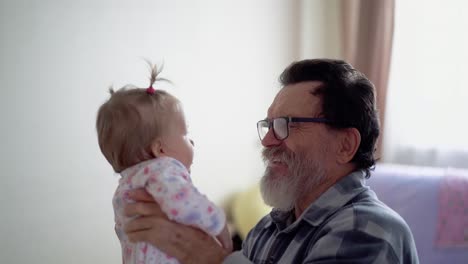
(131, 119)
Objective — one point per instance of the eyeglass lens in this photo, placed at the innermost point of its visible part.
(280, 128)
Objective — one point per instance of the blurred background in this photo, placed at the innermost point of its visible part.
(58, 58)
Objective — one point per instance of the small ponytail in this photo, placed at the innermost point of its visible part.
(154, 72)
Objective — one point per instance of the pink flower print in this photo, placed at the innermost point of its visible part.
(126, 196)
(144, 249)
(128, 251)
(184, 176)
(146, 170)
(210, 209)
(153, 179)
(174, 212)
(129, 180)
(181, 194)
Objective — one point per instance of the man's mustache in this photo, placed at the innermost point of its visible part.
(277, 153)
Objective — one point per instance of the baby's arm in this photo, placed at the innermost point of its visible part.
(171, 187)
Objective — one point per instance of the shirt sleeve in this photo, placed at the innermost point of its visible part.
(236, 258)
(172, 189)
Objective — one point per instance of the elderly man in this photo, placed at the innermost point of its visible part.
(319, 140)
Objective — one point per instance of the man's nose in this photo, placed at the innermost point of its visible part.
(270, 140)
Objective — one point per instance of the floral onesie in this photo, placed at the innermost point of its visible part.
(168, 181)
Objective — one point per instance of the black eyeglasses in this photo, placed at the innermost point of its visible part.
(280, 125)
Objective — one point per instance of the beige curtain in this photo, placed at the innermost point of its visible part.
(367, 45)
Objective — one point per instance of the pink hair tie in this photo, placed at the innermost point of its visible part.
(150, 90)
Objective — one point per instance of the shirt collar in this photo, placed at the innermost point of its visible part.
(329, 202)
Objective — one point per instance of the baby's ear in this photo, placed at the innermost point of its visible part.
(157, 148)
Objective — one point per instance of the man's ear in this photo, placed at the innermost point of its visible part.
(349, 141)
(157, 148)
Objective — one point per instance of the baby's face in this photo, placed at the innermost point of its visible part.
(177, 144)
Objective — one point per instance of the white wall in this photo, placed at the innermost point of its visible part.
(57, 59)
(320, 29)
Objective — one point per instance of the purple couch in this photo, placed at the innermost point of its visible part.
(413, 192)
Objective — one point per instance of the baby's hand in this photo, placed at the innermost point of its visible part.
(225, 239)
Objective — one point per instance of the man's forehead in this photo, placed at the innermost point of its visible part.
(296, 100)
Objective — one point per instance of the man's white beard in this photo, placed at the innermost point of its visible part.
(284, 191)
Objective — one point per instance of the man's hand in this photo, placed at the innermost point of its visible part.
(186, 244)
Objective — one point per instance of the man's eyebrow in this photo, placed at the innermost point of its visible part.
(318, 90)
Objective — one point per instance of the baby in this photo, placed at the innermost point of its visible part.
(143, 135)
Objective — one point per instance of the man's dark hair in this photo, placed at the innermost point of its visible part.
(348, 100)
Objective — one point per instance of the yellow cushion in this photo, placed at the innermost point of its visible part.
(247, 209)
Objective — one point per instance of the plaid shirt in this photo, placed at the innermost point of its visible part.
(346, 224)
